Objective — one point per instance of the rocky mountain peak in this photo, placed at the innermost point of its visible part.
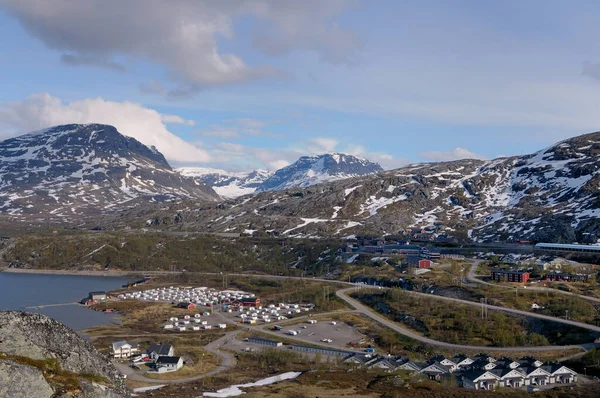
(77, 168)
(311, 170)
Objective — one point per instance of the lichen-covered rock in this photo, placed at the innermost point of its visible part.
(24, 381)
(39, 337)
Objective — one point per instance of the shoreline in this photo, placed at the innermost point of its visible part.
(112, 273)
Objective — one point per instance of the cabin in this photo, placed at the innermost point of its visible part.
(186, 305)
(247, 302)
(418, 262)
(97, 296)
(435, 370)
(480, 380)
(156, 351)
(168, 364)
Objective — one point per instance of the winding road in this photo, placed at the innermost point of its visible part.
(397, 328)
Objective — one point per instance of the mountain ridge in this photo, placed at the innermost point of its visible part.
(227, 184)
(315, 169)
(551, 195)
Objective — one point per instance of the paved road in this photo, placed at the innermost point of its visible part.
(471, 277)
(392, 325)
(227, 362)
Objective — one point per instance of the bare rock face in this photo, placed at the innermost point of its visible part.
(22, 381)
(30, 343)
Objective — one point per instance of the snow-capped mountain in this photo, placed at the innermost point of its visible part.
(77, 169)
(552, 195)
(227, 184)
(311, 170)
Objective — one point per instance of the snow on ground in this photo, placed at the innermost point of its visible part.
(305, 222)
(233, 190)
(250, 231)
(150, 388)
(349, 224)
(336, 210)
(235, 391)
(373, 204)
(350, 190)
(95, 251)
(352, 258)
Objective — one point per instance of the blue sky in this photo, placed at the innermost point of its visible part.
(242, 85)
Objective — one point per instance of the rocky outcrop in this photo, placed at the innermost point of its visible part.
(22, 381)
(34, 345)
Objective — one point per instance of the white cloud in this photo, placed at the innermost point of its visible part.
(183, 35)
(144, 124)
(454, 154)
(175, 119)
(385, 160)
(321, 145)
(236, 128)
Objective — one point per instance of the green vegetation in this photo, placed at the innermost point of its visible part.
(159, 252)
(459, 324)
(554, 304)
(589, 364)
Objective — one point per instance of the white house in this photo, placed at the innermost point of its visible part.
(123, 349)
(560, 374)
(156, 351)
(481, 380)
(168, 364)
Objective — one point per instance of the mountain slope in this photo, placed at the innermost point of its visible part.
(74, 169)
(552, 195)
(311, 170)
(226, 184)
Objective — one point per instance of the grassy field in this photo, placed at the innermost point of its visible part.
(462, 324)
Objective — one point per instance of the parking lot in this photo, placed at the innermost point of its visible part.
(340, 334)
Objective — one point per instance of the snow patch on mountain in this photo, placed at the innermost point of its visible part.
(227, 184)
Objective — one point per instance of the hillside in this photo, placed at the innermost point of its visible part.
(70, 171)
(551, 195)
(227, 184)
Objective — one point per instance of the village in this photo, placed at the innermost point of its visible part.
(234, 321)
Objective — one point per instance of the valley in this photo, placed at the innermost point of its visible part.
(396, 267)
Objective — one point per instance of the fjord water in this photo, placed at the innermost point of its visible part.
(19, 291)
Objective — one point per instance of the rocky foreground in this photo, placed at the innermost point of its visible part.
(40, 357)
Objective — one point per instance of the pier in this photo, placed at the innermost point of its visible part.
(38, 307)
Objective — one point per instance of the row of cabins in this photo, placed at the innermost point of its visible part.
(273, 312)
(480, 372)
(194, 295)
(524, 276)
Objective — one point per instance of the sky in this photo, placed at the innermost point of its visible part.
(240, 85)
